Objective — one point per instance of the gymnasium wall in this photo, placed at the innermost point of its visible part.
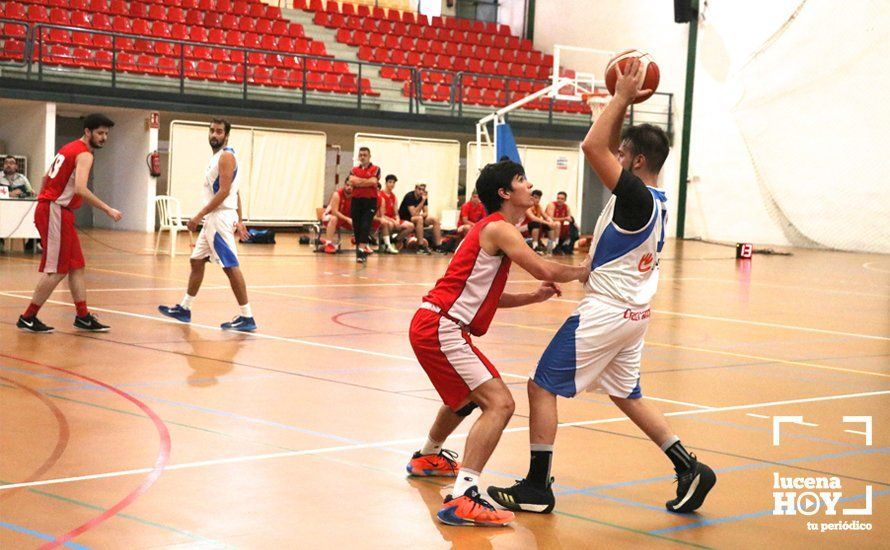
(28, 128)
(120, 173)
(786, 118)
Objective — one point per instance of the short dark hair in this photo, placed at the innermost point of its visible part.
(226, 124)
(563, 193)
(537, 193)
(360, 149)
(650, 141)
(7, 157)
(97, 120)
(494, 177)
(391, 177)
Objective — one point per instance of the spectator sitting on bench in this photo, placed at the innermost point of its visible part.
(337, 216)
(471, 212)
(388, 217)
(543, 229)
(559, 211)
(415, 207)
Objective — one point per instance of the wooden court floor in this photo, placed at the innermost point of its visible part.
(159, 434)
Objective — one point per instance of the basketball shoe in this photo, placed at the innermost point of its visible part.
(241, 324)
(471, 509)
(33, 324)
(443, 464)
(177, 312)
(693, 486)
(90, 323)
(525, 496)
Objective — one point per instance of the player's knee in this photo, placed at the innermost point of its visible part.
(503, 406)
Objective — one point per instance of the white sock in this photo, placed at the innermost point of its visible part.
(431, 447)
(465, 479)
(386, 239)
(186, 302)
(246, 311)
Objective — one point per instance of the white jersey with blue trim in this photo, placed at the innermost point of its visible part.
(625, 263)
(211, 182)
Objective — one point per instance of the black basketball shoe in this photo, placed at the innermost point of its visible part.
(90, 323)
(692, 488)
(33, 324)
(525, 497)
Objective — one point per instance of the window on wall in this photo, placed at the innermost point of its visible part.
(483, 10)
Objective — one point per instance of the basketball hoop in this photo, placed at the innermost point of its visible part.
(597, 100)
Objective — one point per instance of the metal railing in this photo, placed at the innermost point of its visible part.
(37, 56)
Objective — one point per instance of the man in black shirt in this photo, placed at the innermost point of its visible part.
(415, 208)
(600, 344)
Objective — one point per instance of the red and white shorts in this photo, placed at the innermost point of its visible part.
(61, 246)
(455, 366)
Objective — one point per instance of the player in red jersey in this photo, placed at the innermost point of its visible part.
(64, 190)
(463, 303)
(471, 213)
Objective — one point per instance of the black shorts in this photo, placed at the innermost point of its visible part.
(538, 225)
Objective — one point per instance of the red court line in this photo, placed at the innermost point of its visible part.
(160, 462)
(336, 319)
(61, 440)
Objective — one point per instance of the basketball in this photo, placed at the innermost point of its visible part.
(650, 68)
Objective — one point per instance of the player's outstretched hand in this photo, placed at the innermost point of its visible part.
(586, 264)
(628, 84)
(547, 290)
(114, 214)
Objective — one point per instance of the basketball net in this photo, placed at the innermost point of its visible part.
(597, 101)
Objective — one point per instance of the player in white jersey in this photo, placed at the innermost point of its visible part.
(217, 240)
(599, 346)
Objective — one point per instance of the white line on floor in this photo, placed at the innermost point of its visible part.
(414, 440)
(755, 415)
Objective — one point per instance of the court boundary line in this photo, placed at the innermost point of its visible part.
(562, 300)
(339, 448)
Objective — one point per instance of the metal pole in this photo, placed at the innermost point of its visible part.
(687, 120)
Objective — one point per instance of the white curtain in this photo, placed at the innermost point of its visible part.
(414, 160)
(281, 172)
(287, 181)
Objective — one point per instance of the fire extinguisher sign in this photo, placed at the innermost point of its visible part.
(154, 120)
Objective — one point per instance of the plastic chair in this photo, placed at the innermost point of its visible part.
(170, 217)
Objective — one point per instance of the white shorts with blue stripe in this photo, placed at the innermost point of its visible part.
(598, 348)
(217, 239)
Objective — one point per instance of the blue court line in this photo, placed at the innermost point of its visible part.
(740, 467)
(784, 435)
(590, 492)
(752, 515)
(41, 536)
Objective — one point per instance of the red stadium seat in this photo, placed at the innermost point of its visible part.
(295, 30)
(198, 34)
(216, 36)
(251, 40)
(332, 7)
(317, 48)
(13, 50)
(348, 9)
(37, 14)
(98, 6)
(212, 19)
(279, 27)
(102, 59)
(175, 14)
(263, 26)
(118, 7)
(377, 13)
(285, 44)
(240, 8)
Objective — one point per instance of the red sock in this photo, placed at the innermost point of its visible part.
(81, 308)
(31, 311)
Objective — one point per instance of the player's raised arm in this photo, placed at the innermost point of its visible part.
(81, 176)
(506, 238)
(600, 146)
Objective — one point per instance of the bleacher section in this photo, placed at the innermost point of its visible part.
(398, 61)
(212, 40)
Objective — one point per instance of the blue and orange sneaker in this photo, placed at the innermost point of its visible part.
(443, 464)
(240, 323)
(471, 509)
(177, 312)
